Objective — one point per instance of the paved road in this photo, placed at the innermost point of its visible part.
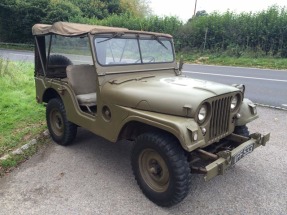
(93, 176)
(17, 55)
(29, 56)
(263, 86)
(267, 87)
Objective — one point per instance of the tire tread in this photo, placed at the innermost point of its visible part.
(169, 146)
(70, 129)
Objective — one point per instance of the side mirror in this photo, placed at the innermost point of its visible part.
(180, 63)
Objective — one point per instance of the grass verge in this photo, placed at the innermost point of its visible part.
(21, 117)
(13, 161)
(16, 46)
(244, 61)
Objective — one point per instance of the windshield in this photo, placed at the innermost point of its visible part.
(119, 50)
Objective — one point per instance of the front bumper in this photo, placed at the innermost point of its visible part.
(228, 158)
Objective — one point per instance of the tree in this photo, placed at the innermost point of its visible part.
(137, 8)
(99, 9)
(201, 13)
(18, 17)
(61, 11)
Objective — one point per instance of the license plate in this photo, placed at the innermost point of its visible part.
(242, 153)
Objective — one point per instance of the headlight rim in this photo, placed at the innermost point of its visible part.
(236, 107)
(208, 111)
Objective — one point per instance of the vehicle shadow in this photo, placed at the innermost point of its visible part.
(110, 162)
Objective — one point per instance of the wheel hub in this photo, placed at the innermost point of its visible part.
(56, 122)
(154, 170)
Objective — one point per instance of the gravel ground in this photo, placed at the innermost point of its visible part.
(94, 177)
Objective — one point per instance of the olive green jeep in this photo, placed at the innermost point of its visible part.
(125, 84)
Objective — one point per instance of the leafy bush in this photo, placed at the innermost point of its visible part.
(261, 32)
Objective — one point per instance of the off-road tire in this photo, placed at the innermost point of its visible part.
(242, 130)
(59, 60)
(163, 151)
(61, 130)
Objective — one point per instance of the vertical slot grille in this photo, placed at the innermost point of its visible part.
(220, 117)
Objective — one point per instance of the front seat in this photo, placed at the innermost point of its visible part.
(82, 78)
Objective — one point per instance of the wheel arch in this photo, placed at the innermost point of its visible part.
(134, 128)
(49, 94)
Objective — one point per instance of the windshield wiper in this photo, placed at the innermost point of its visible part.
(159, 41)
(113, 36)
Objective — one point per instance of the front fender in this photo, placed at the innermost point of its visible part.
(180, 127)
(248, 113)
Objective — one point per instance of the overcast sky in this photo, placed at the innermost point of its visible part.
(184, 8)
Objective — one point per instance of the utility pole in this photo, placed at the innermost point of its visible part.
(195, 8)
(205, 37)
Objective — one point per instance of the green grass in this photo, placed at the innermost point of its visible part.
(10, 163)
(15, 46)
(21, 117)
(244, 61)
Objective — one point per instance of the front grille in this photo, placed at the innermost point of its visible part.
(220, 118)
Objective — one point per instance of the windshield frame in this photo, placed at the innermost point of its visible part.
(138, 38)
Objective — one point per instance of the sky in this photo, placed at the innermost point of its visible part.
(184, 9)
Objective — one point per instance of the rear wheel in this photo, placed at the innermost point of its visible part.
(161, 168)
(61, 130)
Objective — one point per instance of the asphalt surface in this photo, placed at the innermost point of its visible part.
(93, 176)
(17, 55)
(263, 86)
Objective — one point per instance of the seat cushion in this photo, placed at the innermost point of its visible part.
(82, 78)
(87, 99)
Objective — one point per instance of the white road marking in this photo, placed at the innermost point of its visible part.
(237, 76)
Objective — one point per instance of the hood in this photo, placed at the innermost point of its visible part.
(169, 95)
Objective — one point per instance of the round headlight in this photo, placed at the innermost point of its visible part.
(234, 102)
(202, 114)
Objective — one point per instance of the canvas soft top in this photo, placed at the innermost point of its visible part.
(76, 29)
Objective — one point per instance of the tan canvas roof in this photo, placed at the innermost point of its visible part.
(76, 29)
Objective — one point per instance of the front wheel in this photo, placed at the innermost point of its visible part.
(61, 130)
(242, 130)
(161, 168)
